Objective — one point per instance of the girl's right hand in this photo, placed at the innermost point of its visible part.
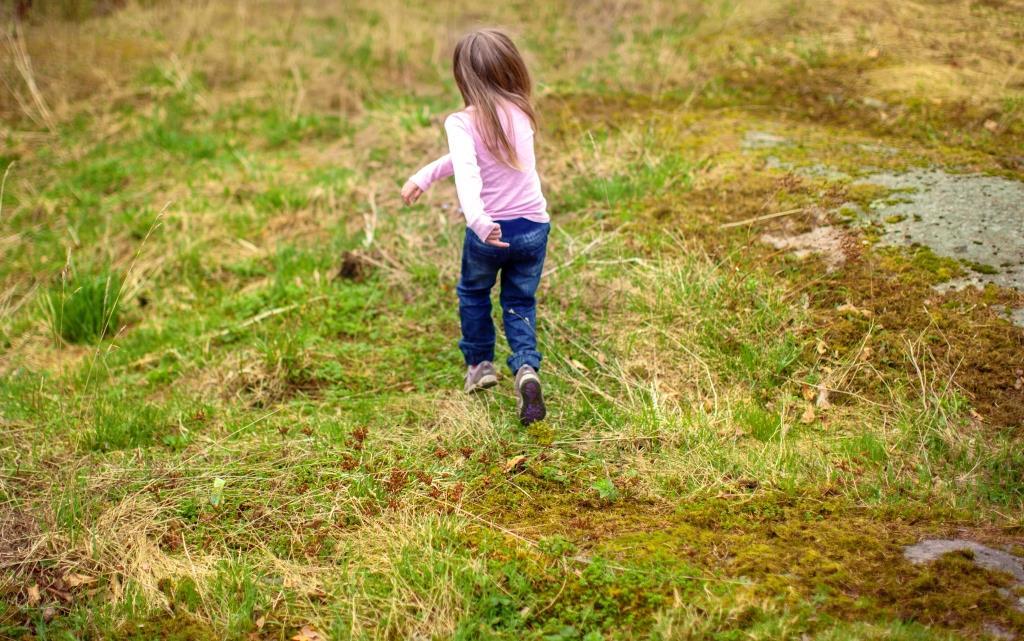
(494, 238)
(411, 192)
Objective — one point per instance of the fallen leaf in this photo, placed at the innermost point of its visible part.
(853, 309)
(260, 622)
(316, 594)
(64, 595)
(515, 463)
(114, 588)
(874, 53)
(822, 400)
(578, 365)
(807, 392)
(808, 416)
(991, 125)
(33, 595)
(601, 358)
(74, 580)
(821, 347)
(308, 633)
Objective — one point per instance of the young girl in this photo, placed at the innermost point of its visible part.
(490, 145)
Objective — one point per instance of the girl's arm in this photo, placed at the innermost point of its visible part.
(468, 183)
(431, 173)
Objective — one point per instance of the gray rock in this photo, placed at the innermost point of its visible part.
(762, 140)
(975, 218)
(884, 150)
(1014, 315)
(817, 170)
(983, 557)
(826, 241)
(999, 632)
(874, 103)
(1017, 316)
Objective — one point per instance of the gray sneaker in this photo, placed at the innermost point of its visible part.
(529, 399)
(480, 376)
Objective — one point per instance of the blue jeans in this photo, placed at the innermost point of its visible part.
(520, 265)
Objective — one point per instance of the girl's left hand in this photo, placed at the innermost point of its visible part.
(411, 192)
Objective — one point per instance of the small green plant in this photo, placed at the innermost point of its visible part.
(556, 546)
(980, 268)
(606, 490)
(416, 119)
(84, 309)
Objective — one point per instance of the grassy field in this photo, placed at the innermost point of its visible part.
(230, 400)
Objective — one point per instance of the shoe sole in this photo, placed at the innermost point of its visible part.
(487, 381)
(531, 400)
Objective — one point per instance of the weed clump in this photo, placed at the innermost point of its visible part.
(354, 266)
(85, 309)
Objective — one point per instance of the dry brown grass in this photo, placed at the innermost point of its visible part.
(949, 50)
(926, 50)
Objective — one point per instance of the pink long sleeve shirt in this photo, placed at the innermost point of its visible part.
(488, 189)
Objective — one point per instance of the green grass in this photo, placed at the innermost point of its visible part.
(251, 420)
(85, 308)
(636, 182)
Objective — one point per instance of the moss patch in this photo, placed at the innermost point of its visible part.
(169, 628)
(962, 333)
(785, 550)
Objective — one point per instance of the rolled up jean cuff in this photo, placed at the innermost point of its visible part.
(527, 357)
(475, 355)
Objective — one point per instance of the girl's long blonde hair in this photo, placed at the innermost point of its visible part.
(489, 70)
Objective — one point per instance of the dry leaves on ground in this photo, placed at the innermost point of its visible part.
(308, 633)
